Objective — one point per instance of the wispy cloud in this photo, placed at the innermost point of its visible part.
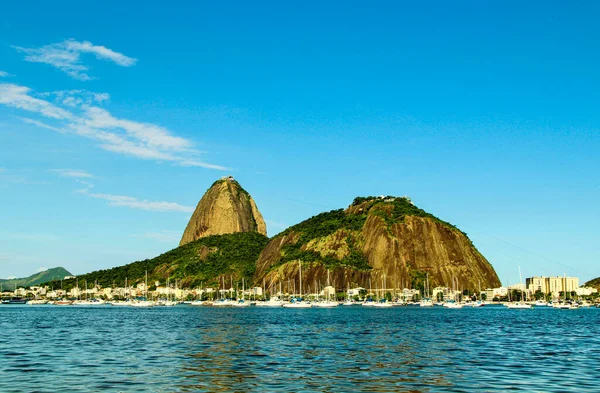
(40, 124)
(78, 173)
(119, 135)
(66, 56)
(3, 74)
(41, 269)
(17, 96)
(77, 98)
(135, 203)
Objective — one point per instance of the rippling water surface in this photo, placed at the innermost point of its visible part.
(190, 349)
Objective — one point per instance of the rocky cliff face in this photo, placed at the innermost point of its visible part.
(225, 208)
(379, 242)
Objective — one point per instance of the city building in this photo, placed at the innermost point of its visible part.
(552, 285)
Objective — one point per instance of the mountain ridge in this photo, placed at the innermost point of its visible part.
(56, 273)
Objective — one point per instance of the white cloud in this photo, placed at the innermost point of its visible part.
(148, 134)
(40, 124)
(119, 135)
(202, 165)
(135, 203)
(66, 56)
(18, 97)
(73, 173)
(3, 74)
(41, 269)
(77, 98)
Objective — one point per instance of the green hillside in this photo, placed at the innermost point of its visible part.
(56, 273)
(595, 283)
(201, 261)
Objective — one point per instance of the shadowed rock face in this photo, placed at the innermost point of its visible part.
(225, 208)
(375, 243)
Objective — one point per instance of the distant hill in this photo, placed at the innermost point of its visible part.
(595, 283)
(205, 260)
(57, 273)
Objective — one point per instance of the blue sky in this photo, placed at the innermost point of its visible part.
(114, 120)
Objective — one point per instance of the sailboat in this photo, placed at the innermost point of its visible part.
(327, 303)
(383, 303)
(452, 303)
(298, 303)
(145, 302)
(368, 302)
(522, 305)
(426, 301)
(241, 302)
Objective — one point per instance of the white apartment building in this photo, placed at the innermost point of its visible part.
(552, 285)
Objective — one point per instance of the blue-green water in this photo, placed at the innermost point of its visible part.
(190, 349)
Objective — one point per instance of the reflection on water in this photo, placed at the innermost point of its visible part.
(189, 349)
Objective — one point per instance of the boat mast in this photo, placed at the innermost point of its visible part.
(300, 270)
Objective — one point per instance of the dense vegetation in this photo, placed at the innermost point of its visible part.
(56, 273)
(355, 259)
(595, 283)
(401, 207)
(232, 254)
(325, 224)
(390, 209)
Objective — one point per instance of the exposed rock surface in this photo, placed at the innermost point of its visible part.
(225, 208)
(379, 242)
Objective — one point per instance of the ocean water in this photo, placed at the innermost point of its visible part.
(195, 349)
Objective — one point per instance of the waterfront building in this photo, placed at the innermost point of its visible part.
(552, 285)
(327, 291)
(585, 291)
(355, 291)
(256, 291)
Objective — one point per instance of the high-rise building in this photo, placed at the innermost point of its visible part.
(552, 285)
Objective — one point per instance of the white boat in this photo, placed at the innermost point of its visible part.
(37, 302)
(368, 303)
(272, 302)
(120, 303)
(325, 304)
(298, 303)
(426, 302)
(518, 305)
(142, 303)
(197, 303)
(241, 302)
(223, 303)
(452, 304)
(350, 303)
(566, 306)
(383, 304)
(540, 303)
